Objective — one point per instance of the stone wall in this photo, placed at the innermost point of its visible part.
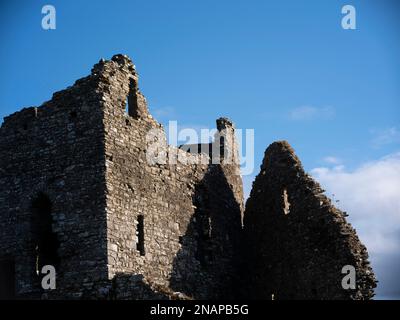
(85, 153)
(56, 150)
(190, 210)
(297, 242)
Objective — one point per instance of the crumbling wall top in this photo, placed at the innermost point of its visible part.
(118, 61)
(224, 123)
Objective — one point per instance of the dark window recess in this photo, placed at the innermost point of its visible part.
(25, 126)
(222, 146)
(73, 114)
(7, 279)
(45, 240)
(140, 235)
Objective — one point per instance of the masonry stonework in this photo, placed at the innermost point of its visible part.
(303, 241)
(79, 190)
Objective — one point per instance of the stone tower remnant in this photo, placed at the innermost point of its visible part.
(297, 241)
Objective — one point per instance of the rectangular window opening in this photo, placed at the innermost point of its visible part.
(140, 234)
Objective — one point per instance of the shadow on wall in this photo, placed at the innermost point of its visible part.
(206, 264)
(133, 286)
(297, 241)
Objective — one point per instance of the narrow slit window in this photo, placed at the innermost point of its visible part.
(286, 203)
(127, 106)
(140, 235)
(222, 147)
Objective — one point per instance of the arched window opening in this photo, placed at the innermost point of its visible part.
(45, 240)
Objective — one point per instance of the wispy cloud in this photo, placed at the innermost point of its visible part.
(311, 113)
(164, 113)
(332, 160)
(385, 136)
(371, 196)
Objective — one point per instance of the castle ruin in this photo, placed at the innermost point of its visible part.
(77, 192)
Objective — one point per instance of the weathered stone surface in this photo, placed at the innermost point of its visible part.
(87, 155)
(297, 242)
(77, 191)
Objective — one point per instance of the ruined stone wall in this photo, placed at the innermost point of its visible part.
(135, 221)
(88, 156)
(189, 226)
(56, 150)
(296, 241)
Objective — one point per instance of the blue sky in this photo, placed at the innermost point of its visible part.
(284, 68)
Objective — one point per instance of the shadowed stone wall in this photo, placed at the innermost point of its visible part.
(297, 242)
(190, 210)
(56, 150)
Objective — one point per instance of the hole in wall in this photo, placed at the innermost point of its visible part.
(127, 106)
(140, 234)
(286, 203)
(130, 187)
(73, 114)
(25, 127)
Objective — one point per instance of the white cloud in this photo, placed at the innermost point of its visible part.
(311, 113)
(371, 196)
(385, 136)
